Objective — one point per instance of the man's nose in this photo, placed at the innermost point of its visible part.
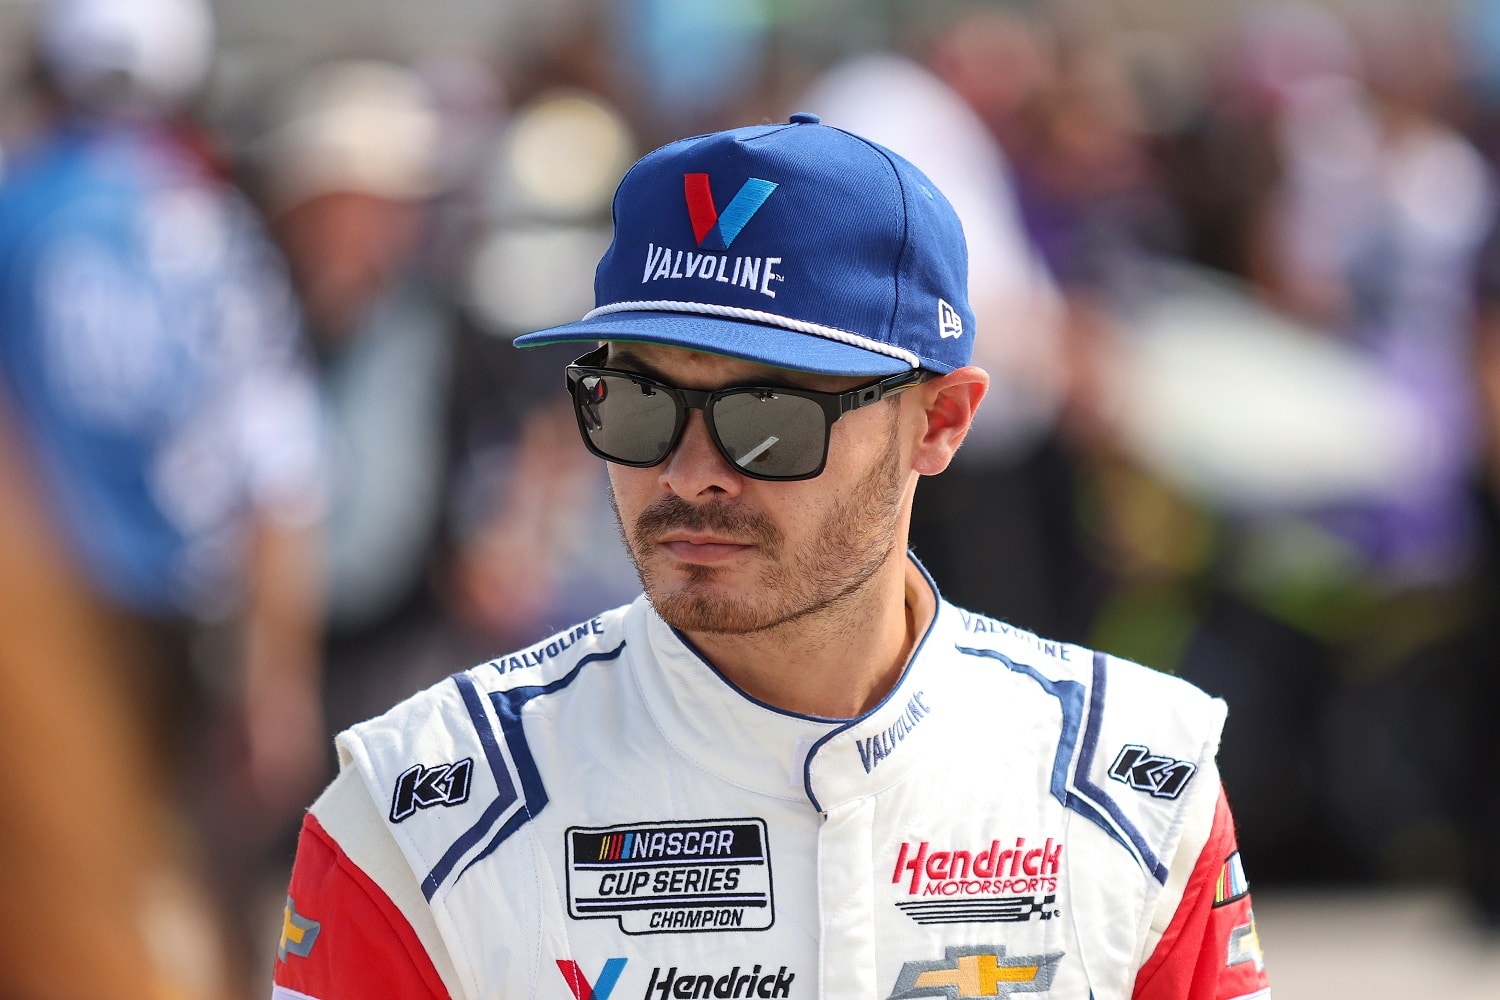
(696, 469)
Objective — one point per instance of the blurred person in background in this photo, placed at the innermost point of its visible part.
(1009, 476)
(86, 860)
(1195, 549)
(1081, 537)
(682, 65)
(1477, 738)
(150, 356)
(455, 510)
(1083, 547)
(1330, 599)
(1370, 233)
(1083, 209)
(1126, 558)
(346, 173)
(532, 537)
(1114, 226)
(1326, 187)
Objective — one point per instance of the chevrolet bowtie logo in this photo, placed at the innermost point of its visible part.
(1244, 946)
(976, 972)
(297, 932)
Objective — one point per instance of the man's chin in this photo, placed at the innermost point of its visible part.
(698, 608)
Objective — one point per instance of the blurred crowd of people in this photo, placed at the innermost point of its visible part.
(268, 461)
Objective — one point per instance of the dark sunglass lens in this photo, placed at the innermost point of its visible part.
(769, 433)
(624, 419)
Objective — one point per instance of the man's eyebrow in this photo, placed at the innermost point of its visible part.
(624, 357)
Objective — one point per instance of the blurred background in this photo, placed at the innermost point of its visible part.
(269, 463)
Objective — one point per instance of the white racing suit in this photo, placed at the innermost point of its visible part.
(604, 816)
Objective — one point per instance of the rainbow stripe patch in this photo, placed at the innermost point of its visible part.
(615, 846)
(1232, 884)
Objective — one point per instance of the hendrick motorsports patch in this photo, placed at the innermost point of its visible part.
(672, 878)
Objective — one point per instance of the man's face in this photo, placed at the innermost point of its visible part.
(720, 552)
(345, 248)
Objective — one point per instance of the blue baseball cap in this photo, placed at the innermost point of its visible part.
(797, 246)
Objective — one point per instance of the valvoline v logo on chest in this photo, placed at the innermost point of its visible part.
(715, 230)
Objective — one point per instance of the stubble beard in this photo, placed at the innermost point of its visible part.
(851, 544)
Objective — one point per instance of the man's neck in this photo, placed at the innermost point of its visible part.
(836, 663)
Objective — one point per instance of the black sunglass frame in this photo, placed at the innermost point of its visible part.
(833, 404)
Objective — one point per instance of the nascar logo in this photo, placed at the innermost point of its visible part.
(659, 878)
(1231, 884)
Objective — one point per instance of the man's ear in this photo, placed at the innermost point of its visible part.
(948, 405)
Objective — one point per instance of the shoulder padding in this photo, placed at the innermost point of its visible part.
(1148, 739)
(450, 767)
(356, 823)
(1133, 739)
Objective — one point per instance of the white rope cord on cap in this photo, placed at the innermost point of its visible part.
(756, 316)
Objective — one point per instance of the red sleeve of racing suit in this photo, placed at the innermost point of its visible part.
(1210, 950)
(342, 937)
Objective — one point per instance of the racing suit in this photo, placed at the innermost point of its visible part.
(604, 813)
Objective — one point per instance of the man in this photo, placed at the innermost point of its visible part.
(789, 769)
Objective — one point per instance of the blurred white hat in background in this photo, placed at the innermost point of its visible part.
(141, 57)
(547, 194)
(561, 157)
(362, 126)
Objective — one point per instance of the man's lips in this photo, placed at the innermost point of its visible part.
(701, 549)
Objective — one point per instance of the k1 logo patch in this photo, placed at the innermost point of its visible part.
(1162, 777)
(677, 877)
(985, 971)
(421, 787)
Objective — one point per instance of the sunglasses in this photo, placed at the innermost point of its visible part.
(776, 433)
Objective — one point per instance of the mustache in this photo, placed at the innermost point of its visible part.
(674, 513)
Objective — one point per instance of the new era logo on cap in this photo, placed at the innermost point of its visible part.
(950, 323)
(712, 230)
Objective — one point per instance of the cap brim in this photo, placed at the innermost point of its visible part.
(755, 342)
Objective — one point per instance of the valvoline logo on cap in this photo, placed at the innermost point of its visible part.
(715, 231)
(799, 245)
